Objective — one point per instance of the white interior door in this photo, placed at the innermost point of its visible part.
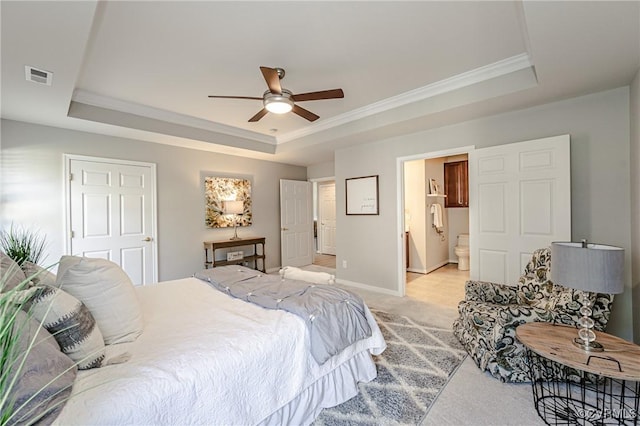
(111, 214)
(327, 219)
(296, 223)
(519, 201)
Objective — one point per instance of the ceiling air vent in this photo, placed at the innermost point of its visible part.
(37, 75)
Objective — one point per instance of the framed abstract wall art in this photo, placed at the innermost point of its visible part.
(219, 191)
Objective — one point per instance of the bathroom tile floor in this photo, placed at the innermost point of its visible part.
(444, 286)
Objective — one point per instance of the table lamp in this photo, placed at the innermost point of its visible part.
(593, 268)
(234, 208)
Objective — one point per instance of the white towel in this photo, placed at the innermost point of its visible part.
(436, 210)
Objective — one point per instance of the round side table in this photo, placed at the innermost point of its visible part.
(576, 387)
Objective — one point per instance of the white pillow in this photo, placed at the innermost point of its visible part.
(107, 292)
(293, 273)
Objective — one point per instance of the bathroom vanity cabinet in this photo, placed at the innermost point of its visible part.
(456, 184)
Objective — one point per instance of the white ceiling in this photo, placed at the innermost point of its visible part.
(144, 69)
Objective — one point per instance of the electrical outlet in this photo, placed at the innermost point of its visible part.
(344, 264)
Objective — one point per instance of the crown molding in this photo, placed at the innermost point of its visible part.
(469, 78)
(478, 75)
(94, 99)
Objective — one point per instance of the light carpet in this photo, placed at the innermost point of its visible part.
(412, 371)
(472, 397)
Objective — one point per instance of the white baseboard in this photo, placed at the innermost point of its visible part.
(433, 268)
(453, 260)
(272, 270)
(368, 287)
(439, 265)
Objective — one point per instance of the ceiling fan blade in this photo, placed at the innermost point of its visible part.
(273, 81)
(259, 115)
(316, 96)
(304, 113)
(235, 97)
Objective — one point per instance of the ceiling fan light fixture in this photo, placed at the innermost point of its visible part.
(281, 101)
(278, 104)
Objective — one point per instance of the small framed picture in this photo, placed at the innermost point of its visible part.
(362, 195)
(433, 187)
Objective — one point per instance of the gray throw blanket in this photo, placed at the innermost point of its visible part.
(334, 317)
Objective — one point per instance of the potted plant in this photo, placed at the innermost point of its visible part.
(22, 245)
(17, 337)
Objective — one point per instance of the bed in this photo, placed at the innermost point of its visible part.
(206, 357)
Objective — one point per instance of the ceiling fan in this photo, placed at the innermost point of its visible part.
(280, 101)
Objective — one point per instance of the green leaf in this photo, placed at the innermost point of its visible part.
(22, 245)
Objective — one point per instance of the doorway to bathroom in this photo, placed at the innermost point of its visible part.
(436, 221)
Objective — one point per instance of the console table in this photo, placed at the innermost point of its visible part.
(572, 386)
(255, 260)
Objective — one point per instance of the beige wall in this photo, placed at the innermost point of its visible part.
(32, 190)
(599, 128)
(458, 218)
(437, 247)
(416, 215)
(322, 170)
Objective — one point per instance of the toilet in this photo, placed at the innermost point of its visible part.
(462, 251)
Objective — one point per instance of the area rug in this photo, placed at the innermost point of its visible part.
(412, 371)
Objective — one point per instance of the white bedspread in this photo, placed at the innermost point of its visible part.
(203, 358)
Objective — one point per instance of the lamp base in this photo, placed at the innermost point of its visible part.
(235, 233)
(588, 347)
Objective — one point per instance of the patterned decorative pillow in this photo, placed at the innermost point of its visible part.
(71, 324)
(10, 273)
(107, 292)
(46, 378)
(38, 275)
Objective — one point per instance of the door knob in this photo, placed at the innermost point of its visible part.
(147, 239)
(284, 229)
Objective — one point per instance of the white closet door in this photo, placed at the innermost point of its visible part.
(112, 214)
(519, 201)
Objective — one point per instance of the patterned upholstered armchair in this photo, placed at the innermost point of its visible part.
(491, 312)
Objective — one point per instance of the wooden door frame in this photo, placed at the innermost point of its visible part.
(400, 246)
(67, 158)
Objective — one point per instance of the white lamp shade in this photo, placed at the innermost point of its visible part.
(233, 207)
(596, 268)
